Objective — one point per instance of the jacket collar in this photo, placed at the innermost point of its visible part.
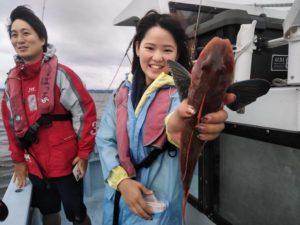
(47, 55)
(162, 80)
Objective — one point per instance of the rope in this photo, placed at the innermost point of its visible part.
(116, 73)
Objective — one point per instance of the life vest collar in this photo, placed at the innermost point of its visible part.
(154, 133)
(45, 99)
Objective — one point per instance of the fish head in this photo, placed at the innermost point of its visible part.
(216, 62)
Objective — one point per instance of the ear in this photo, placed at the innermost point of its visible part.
(137, 48)
(43, 41)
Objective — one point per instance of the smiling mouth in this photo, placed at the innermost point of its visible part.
(156, 67)
(22, 48)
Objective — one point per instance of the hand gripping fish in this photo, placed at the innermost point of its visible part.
(205, 88)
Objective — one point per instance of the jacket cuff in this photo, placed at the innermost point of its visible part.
(84, 155)
(18, 157)
(116, 176)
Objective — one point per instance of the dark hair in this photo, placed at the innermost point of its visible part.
(26, 14)
(169, 23)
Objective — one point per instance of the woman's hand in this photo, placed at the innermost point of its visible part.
(20, 174)
(132, 191)
(176, 121)
(212, 124)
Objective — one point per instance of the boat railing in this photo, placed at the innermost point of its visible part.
(18, 203)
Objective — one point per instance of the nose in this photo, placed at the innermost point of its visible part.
(158, 56)
(20, 39)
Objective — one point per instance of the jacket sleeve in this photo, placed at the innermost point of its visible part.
(175, 103)
(106, 141)
(76, 99)
(17, 154)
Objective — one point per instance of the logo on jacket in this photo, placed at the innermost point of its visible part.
(45, 99)
(31, 89)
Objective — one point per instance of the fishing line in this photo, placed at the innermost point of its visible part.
(43, 12)
(196, 27)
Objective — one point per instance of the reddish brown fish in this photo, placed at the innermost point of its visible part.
(211, 75)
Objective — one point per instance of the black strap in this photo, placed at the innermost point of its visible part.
(116, 208)
(45, 120)
(45, 178)
(30, 136)
(147, 161)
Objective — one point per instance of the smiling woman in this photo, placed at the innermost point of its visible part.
(155, 49)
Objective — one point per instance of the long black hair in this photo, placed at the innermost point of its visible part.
(171, 24)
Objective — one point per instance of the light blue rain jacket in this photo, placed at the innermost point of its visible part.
(163, 176)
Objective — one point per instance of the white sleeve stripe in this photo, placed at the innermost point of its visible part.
(71, 100)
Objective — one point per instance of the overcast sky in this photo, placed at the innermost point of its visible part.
(84, 36)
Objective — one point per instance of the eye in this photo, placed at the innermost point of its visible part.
(149, 48)
(168, 50)
(14, 34)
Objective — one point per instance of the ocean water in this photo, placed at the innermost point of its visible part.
(6, 164)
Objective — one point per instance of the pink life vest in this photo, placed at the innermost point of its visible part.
(154, 131)
(47, 79)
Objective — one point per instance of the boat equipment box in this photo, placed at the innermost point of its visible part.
(267, 63)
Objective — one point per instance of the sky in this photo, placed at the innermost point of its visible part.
(84, 36)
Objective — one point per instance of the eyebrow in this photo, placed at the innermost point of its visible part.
(166, 46)
(23, 29)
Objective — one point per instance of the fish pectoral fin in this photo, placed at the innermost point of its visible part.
(182, 78)
(247, 91)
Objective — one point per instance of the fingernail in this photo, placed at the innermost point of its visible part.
(199, 128)
(200, 137)
(205, 118)
(191, 110)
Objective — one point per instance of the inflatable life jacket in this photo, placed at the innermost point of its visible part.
(47, 78)
(154, 132)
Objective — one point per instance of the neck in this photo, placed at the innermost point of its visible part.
(33, 61)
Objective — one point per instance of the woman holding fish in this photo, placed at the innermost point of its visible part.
(140, 162)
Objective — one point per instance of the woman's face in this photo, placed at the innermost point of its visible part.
(26, 41)
(155, 49)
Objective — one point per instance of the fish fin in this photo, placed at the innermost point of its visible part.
(247, 91)
(182, 78)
